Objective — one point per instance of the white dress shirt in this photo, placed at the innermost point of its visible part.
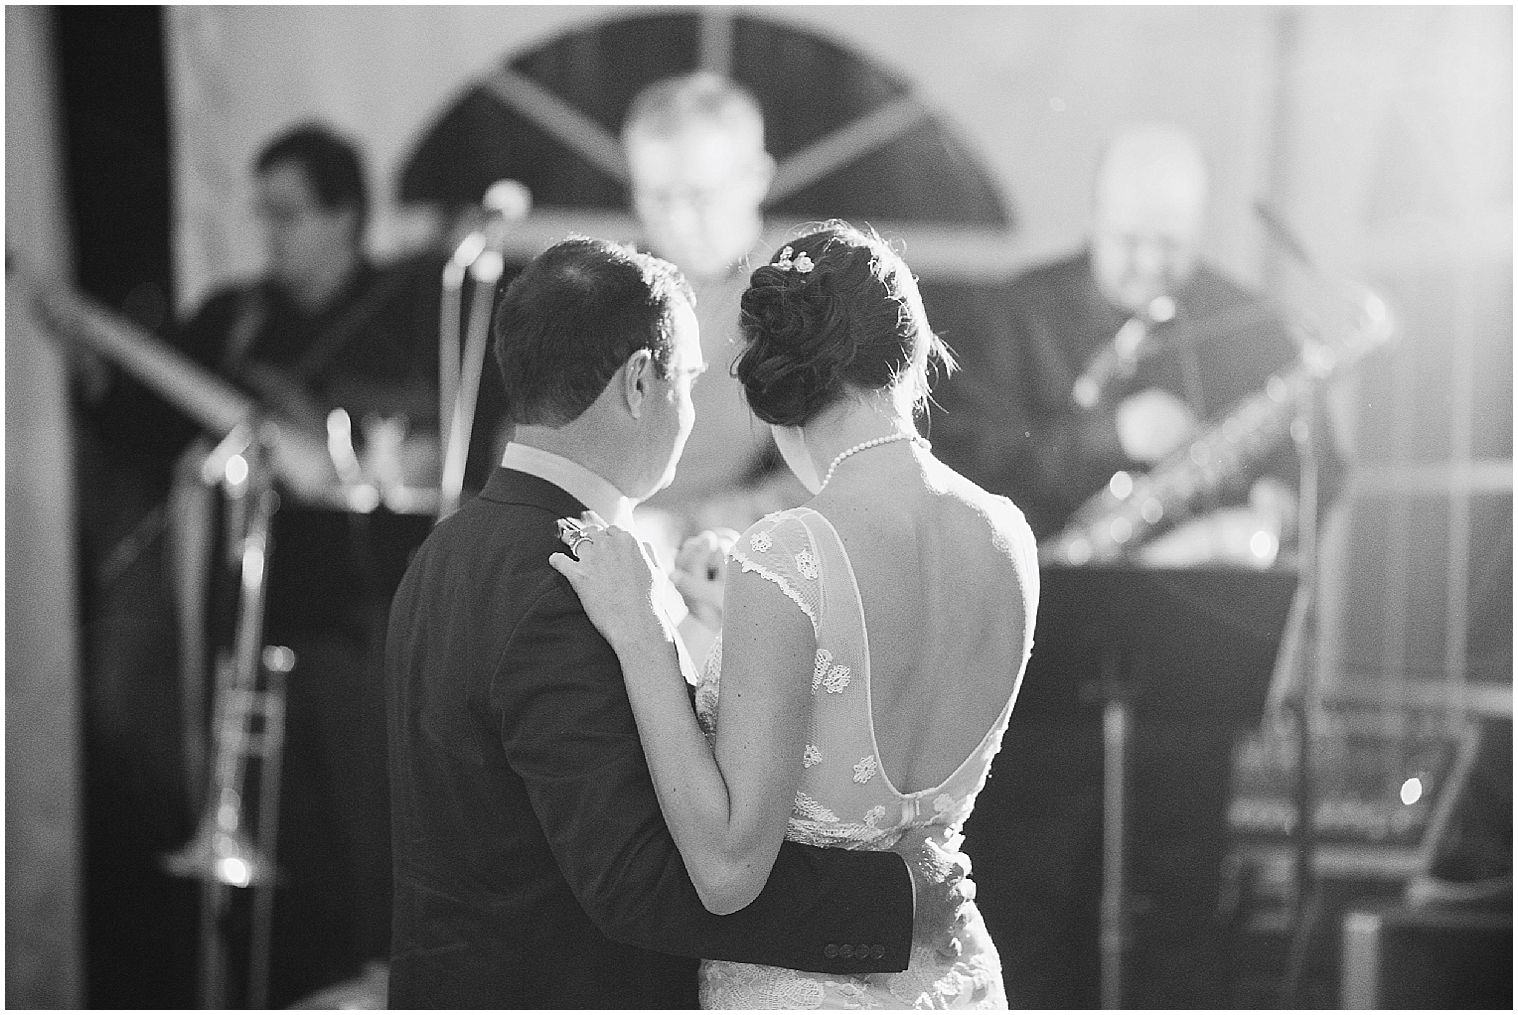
(585, 486)
(595, 492)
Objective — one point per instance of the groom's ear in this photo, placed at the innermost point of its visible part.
(637, 378)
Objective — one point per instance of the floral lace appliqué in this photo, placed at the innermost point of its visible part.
(811, 756)
(820, 667)
(874, 814)
(865, 769)
(760, 542)
(807, 565)
(836, 680)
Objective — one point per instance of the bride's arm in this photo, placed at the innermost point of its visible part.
(727, 813)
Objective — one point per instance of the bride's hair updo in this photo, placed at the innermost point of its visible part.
(835, 308)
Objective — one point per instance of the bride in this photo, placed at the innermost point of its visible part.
(872, 641)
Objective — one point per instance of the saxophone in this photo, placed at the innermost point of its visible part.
(1131, 509)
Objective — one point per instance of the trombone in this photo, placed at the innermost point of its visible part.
(232, 849)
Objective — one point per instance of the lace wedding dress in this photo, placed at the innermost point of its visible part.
(845, 799)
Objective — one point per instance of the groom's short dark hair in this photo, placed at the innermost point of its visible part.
(573, 317)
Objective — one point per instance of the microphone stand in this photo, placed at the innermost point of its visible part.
(1304, 700)
(485, 272)
(480, 258)
(450, 324)
(1302, 703)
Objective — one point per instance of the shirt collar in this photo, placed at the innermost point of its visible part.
(590, 489)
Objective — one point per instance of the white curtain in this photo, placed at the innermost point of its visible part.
(1034, 90)
(43, 799)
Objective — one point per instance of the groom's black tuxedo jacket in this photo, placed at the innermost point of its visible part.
(532, 865)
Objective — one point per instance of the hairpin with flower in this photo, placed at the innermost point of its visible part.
(800, 263)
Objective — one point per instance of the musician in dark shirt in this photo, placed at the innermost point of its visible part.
(1120, 353)
(323, 328)
(1114, 357)
(327, 330)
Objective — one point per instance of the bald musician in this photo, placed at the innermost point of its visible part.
(1114, 356)
(1124, 350)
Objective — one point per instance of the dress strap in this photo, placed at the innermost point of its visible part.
(779, 548)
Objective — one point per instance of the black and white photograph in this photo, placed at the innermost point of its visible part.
(759, 506)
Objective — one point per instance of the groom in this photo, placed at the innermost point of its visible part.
(532, 865)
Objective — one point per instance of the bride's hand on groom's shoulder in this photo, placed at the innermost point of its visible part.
(701, 571)
(942, 885)
(616, 579)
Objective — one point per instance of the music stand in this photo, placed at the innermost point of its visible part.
(1192, 644)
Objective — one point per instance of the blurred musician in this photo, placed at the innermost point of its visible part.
(1123, 351)
(699, 175)
(323, 329)
(1118, 355)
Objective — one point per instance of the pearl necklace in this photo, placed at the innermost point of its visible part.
(889, 438)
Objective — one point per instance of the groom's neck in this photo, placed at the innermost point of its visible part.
(574, 442)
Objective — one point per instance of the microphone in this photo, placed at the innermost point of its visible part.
(506, 202)
(478, 255)
(1120, 357)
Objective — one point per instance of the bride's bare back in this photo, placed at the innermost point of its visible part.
(938, 563)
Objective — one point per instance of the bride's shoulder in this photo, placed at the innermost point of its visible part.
(1013, 536)
(1008, 514)
(790, 526)
(998, 516)
(779, 548)
(1009, 526)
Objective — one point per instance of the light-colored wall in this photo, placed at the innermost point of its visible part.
(1035, 90)
(1425, 93)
